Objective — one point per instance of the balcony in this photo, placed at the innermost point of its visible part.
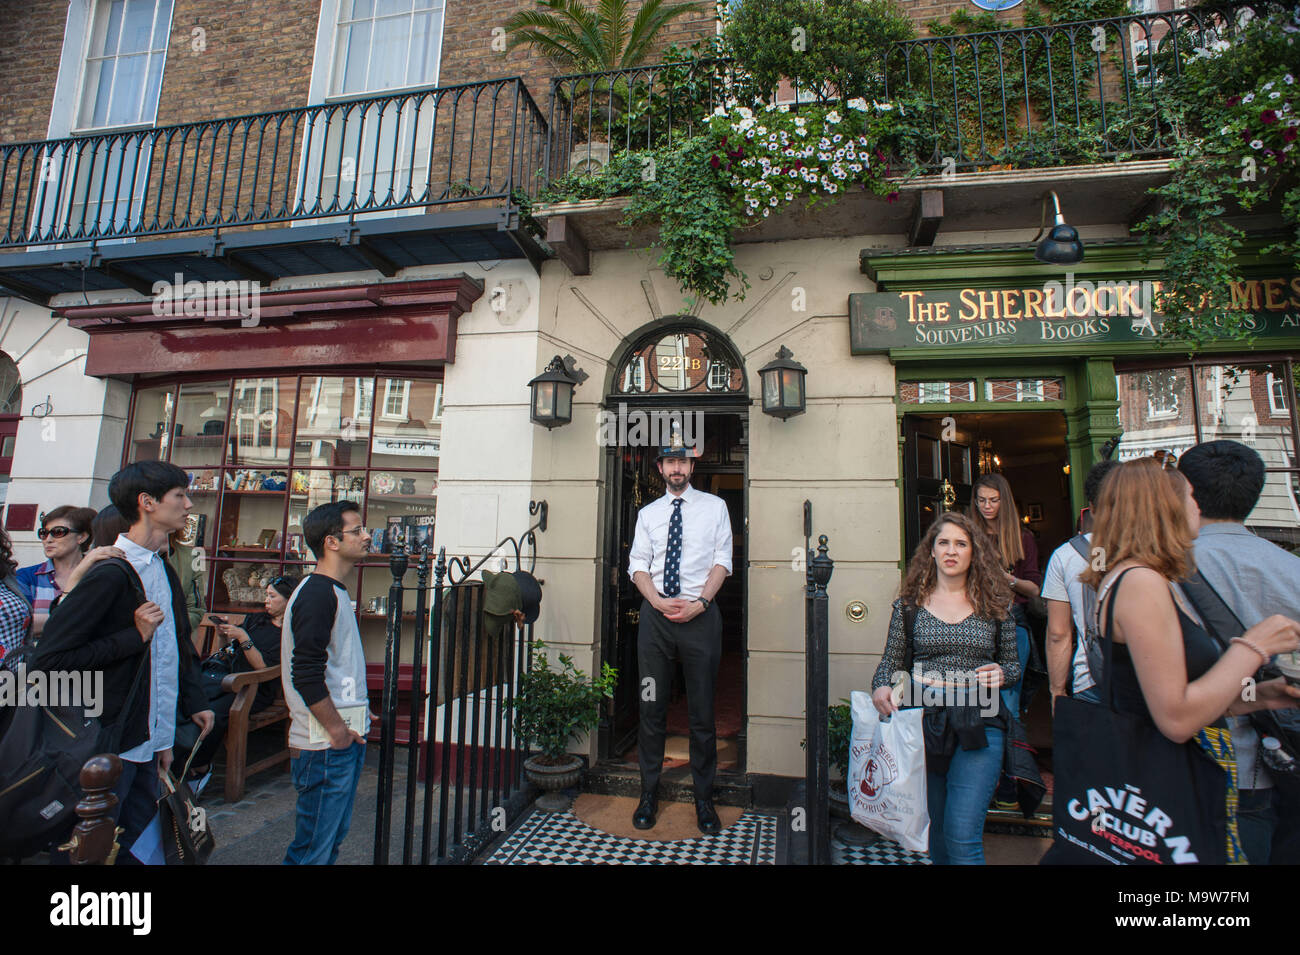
(997, 119)
(426, 177)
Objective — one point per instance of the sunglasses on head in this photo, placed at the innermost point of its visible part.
(1167, 459)
(278, 581)
(57, 532)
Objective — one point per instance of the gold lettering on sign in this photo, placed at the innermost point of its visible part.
(1245, 294)
(1274, 299)
(911, 304)
(1033, 303)
(988, 301)
(968, 300)
(1007, 304)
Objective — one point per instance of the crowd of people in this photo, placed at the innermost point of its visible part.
(1167, 536)
(119, 593)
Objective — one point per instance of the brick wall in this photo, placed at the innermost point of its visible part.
(31, 40)
(258, 57)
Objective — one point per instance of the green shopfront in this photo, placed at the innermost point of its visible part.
(1005, 364)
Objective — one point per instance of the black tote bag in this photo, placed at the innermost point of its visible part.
(1125, 793)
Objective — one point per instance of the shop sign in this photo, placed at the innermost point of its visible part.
(411, 447)
(1057, 313)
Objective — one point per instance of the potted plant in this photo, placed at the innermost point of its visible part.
(553, 707)
(840, 724)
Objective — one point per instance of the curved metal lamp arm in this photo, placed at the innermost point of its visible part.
(1056, 207)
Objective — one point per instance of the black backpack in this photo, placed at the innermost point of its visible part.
(42, 751)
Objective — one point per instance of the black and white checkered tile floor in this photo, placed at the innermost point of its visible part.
(881, 852)
(558, 838)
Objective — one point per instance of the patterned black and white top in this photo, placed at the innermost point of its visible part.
(949, 646)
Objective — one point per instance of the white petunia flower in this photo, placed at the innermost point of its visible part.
(833, 117)
(857, 103)
(1225, 130)
(789, 197)
(1288, 79)
(1256, 144)
(1275, 95)
(1248, 98)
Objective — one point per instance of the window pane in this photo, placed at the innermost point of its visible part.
(1155, 412)
(261, 423)
(128, 90)
(388, 54)
(204, 491)
(150, 434)
(240, 586)
(408, 433)
(111, 19)
(331, 433)
(402, 503)
(252, 514)
(310, 489)
(201, 423)
(419, 70)
(137, 26)
(1024, 389)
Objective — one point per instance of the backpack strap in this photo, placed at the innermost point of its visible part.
(909, 628)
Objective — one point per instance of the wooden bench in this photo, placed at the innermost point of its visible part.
(242, 720)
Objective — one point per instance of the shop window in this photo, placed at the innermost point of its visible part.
(261, 453)
(1150, 405)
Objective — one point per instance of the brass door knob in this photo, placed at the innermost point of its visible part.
(632, 616)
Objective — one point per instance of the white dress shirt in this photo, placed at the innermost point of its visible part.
(164, 690)
(706, 540)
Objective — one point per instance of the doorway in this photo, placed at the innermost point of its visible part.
(943, 455)
(635, 482)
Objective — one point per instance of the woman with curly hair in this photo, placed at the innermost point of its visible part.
(956, 599)
(15, 607)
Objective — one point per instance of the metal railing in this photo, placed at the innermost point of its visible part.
(424, 149)
(1025, 97)
(459, 714)
(816, 694)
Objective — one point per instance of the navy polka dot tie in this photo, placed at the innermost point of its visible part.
(673, 561)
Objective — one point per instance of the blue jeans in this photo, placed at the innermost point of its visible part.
(326, 780)
(137, 791)
(1011, 694)
(1256, 820)
(958, 801)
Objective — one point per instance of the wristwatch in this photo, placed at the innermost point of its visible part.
(705, 601)
(248, 645)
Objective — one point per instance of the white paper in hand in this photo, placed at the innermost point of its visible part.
(886, 779)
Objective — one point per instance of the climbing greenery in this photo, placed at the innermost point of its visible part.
(1235, 117)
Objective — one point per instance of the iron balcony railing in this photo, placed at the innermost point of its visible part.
(1022, 97)
(425, 149)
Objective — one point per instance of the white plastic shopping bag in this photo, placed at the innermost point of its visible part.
(887, 774)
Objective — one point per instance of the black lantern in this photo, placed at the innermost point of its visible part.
(1062, 245)
(552, 401)
(783, 380)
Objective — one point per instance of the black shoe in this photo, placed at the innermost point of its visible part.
(707, 817)
(644, 817)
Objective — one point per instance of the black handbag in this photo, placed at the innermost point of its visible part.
(1125, 793)
(186, 835)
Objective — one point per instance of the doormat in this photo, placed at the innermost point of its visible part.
(674, 822)
(560, 838)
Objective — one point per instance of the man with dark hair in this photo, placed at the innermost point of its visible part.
(101, 624)
(325, 685)
(1256, 579)
(680, 555)
(1070, 603)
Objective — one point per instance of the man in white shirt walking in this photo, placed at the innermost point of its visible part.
(681, 553)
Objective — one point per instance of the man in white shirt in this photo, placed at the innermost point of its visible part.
(1066, 617)
(681, 553)
(100, 624)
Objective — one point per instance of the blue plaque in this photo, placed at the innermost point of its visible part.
(995, 4)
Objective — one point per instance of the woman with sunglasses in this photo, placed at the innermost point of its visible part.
(65, 537)
(254, 646)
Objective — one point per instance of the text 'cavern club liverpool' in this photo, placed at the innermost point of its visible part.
(1068, 312)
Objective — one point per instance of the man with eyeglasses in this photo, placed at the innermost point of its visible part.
(325, 685)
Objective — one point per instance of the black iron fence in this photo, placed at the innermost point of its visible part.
(452, 705)
(817, 695)
(1021, 97)
(425, 149)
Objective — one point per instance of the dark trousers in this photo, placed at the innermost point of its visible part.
(137, 792)
(697, 644)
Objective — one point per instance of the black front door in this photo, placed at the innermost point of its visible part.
(936, 464)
